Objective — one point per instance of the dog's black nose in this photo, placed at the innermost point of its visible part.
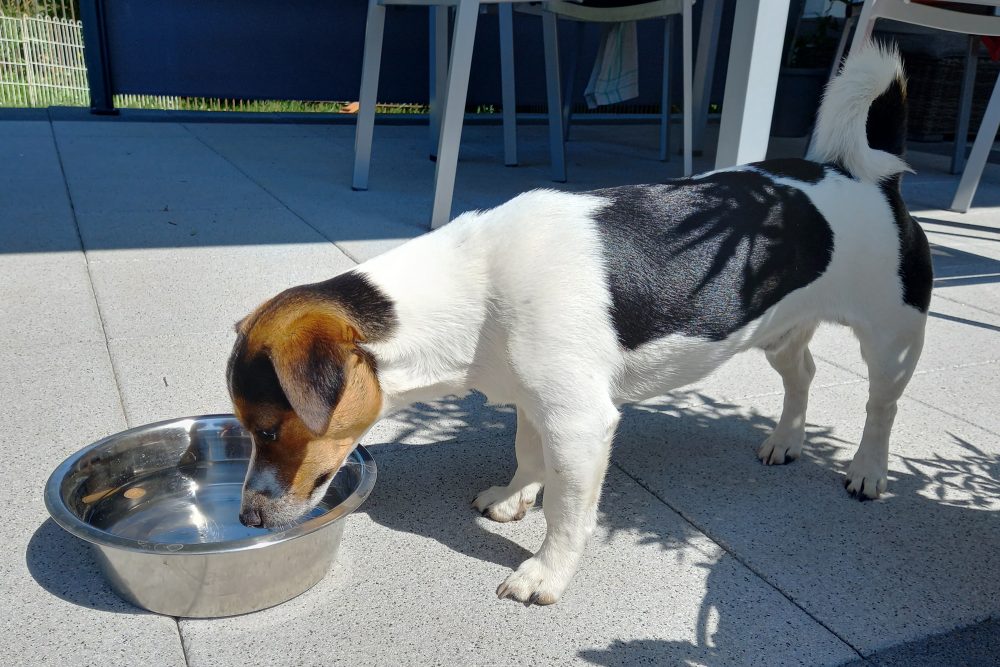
(251, 519)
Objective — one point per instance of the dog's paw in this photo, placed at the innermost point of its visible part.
(778, 450)
(866, 480)
(532, 583)
(501, 504)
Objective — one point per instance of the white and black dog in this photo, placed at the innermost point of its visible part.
(570, 305)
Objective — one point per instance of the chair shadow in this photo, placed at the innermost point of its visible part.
(918, 524)
(65, 567)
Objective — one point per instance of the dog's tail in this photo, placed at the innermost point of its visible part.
(861, 123)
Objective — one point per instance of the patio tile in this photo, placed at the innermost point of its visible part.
(37, 230)
(876, 573)
(241, 130)
(109, 157)
(146, 193)
(47, 301)
(25, 128)
(977, 644)
(113, 128)
(198, 290)
(650, 589)
(965, 392)
(166, 377)
(117, 234)
(956, 335)
(64, 612)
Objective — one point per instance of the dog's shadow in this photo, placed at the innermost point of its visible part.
(699, 459)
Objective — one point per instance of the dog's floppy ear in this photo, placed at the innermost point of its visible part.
(309, 359)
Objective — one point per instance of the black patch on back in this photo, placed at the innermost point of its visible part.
(364, 301)
(704, 257)
(795, 168)
(916, 270)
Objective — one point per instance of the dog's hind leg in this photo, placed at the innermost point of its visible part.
(509, 503)
(891, 350)
(795, 365)
(577, 446)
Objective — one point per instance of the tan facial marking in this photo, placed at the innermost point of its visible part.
(289, 331)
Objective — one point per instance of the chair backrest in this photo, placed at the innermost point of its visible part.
(943, 16)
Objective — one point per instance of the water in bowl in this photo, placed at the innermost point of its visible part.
(193, 504)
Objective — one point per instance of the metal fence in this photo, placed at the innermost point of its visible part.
(41, 62)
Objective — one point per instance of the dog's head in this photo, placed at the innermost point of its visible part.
(306, 390)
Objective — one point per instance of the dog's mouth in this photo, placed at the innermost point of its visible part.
(258, 511)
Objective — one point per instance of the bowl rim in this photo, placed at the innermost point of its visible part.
(74, 525)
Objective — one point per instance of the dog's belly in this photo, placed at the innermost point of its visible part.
(677, 360)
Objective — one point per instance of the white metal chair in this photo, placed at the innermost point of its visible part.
(447, 109)
(559, 116)
(932, 16)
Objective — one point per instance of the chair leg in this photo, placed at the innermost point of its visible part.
(506, 11)
(453, 113)
(567, 107)
(965, 105)
(704, 68)
(557, 148)
(668, 28)
(866, 23)
(688, 57)
(438, 71)
(980, 152)
(369, 91)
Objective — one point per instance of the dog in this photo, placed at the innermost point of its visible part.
(568, 306)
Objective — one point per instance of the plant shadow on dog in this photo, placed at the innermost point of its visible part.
(65, 566)
(859, 568)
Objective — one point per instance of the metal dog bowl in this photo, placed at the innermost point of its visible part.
(160, 504)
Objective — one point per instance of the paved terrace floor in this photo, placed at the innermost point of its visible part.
(127, 251)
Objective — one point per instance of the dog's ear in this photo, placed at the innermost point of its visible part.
(309, 359)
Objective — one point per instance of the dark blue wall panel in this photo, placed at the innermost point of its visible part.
(311, 50)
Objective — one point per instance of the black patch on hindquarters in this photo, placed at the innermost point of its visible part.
(704, 257)
(798, 169)
(916, 271)
(371, 309)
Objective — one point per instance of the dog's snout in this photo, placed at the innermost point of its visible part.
(251, 518)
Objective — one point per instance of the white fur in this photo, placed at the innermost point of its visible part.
(514, 302)
(840, 126)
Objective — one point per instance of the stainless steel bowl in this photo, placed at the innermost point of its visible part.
(160, 504)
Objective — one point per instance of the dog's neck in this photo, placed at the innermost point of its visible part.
(438, 284)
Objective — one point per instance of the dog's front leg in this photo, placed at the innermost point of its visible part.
(509, 503)
(576, 449)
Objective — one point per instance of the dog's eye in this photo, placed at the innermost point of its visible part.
(268, 435)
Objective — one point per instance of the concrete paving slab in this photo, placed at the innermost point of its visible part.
(168, 193)
(35, 230)
(111, 128)
(965, 392)
(974, 645)
(134, 233)
(60, 611)
(25, 128)
(876, 573)
(115, 158)
(418, 571)
(166, 377)
(956, 335)
(47, 301)
(262, 129)
(198, 290)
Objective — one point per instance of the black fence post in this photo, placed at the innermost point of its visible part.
(95, 55)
